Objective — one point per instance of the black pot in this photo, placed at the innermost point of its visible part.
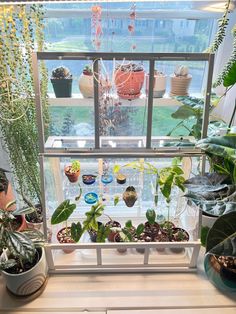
(62, 87)
(93, 233)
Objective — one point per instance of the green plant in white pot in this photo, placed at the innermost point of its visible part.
(22, 263)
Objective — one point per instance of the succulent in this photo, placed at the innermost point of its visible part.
(130, 67)
(181, 70)
(75, 166)
(87, 70)
(61, 73)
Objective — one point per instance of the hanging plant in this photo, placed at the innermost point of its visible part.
(21, 33)
(96, 25)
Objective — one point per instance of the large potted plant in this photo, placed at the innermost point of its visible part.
(23, 264)
(220, 258)
(129, 80)
(61, 80)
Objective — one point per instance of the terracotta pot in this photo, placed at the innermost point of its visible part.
(179, 85)
(28, 282)
(67, 240)
(7, 197)
(129, 84)
(112, 224)
(86, 85)
(72, 177)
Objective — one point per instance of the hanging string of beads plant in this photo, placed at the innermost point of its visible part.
(21, 33)
(96, 26)
(131, 26)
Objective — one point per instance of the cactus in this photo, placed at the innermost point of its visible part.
(181, 71)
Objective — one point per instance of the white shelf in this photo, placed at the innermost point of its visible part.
(79, 100)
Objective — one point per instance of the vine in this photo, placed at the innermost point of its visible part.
(21, 33)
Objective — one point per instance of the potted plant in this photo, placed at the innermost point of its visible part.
(129, 80)
(114, 226)
(159, 84)
(86, 82)
(151, 227)
(73, 171)
(220, 258)
(23, 264)
(215, 192)
(6, 192)
(180, 81)
(130, 196)
(61, 80)
(136, 234)
(178, 235)
(67, 234)
(88, 179)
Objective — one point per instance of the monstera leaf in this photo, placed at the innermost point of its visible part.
(221, 239)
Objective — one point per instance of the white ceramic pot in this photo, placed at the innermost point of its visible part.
(86, 85)
(159, 86)
(179, 85)
(30, 281)
(208, 221)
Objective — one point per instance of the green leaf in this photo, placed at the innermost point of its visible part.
(7, 264)
(176, 169)
(10, 204)
(116, 168)
(184, 112)
(62, 212)
(151, 216)
(139, 229)
(166, 187)
(102, 233)
(77, 198)
(221, 239)
(76, 231)
(116, 200)
(230, 77)
(35, 235)
(128, 234)
(128, 224)
(91, 221)
(19, 245)
(23, 211)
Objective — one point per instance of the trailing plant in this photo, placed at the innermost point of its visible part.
(21, 32)
(222, 25)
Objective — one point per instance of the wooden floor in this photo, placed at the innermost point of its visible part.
(161, 293)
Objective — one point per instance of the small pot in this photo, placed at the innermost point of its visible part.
(161, 237)
(86, 85)
(62, 87)
(93, 233)
(130, 196)
(88, 179)
(151, 230)
(91, 198)
(176, 238)
(121, 178)
(159, 84)
(117, 238)
(166, 227)
(72, 176)
(35, 221)
(106, 178)
(112, 224)
(63, 238)
(179, 85)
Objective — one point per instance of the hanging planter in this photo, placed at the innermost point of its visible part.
(130, 196)
(129, 80)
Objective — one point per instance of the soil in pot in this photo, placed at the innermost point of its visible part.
(117, 238)
(35, 220)
(93, 233)
(64, 236)
(161, 237)
(179, 235)
(121, 178)
(151, 230)
(130, 196)
(72, 176)
(112, 224)
(17, 269)
(88, 179)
